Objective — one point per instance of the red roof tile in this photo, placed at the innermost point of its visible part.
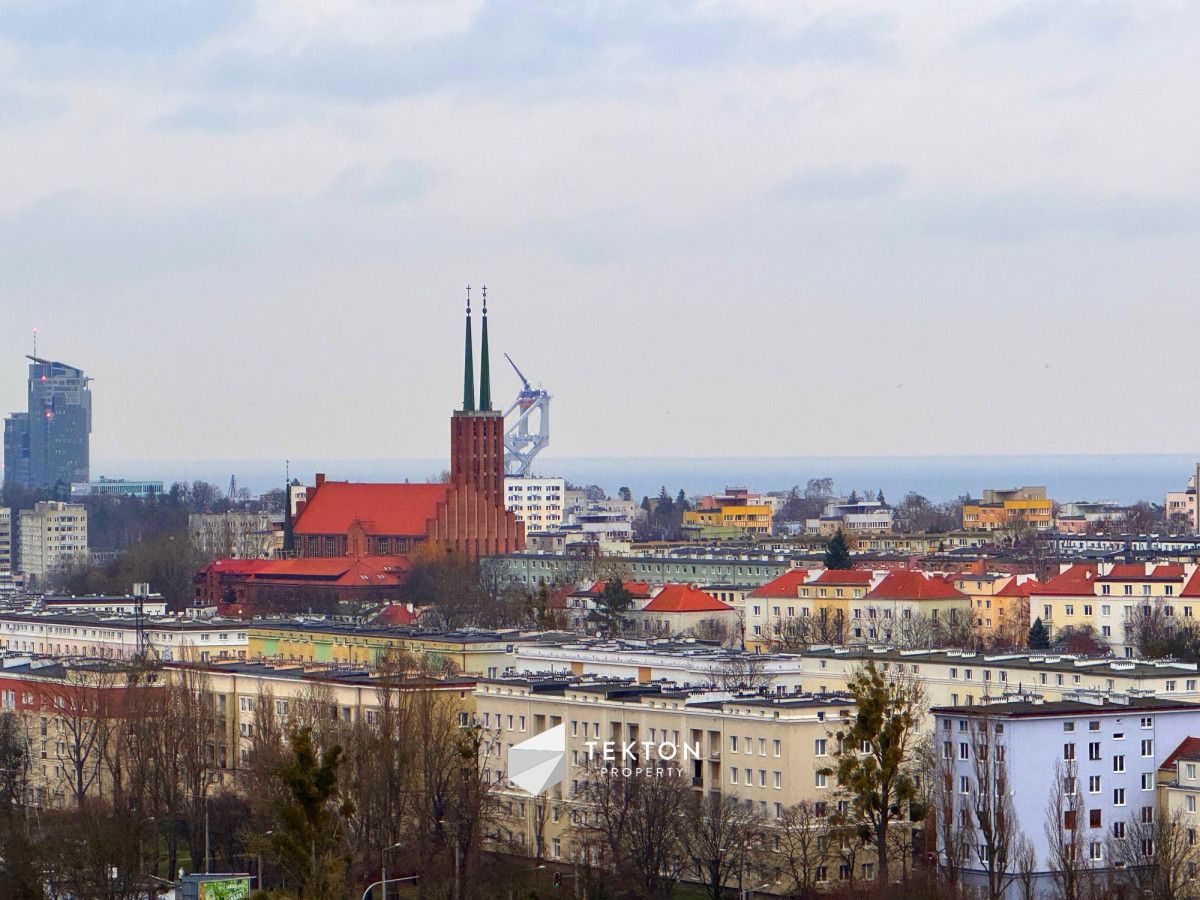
(395, 614)
(344, 570)
(844, 577)
(1192, 588)
(225, 566)
(786, 585)
(905, 584)
(384, 509)
(1189, 748)
(679, 598)
(639, 589)
(1142, 572)
(1024, 589)
(1074, 581)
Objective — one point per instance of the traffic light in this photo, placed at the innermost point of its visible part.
(558, 879)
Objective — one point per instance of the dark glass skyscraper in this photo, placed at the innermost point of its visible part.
(49, 444)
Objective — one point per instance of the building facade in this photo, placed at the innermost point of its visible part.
(1081, 772)
(51, 536)
(117, 487)
(537, 501)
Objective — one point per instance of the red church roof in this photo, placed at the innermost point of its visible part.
(349, 571)
(680, 598)
(383, 509)
(906, 584)
(786, 585)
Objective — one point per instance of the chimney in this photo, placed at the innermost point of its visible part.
(320, 478)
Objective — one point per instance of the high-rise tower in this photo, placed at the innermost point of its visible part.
(49, 444)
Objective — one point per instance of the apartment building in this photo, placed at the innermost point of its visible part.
(100, 636)
(999, 604)
(949, 677)
(736, 513)
(763, 750)
(1010, 508)
(54, 699)
(1101, 753)
(6, 539)
(539, 502)
(1108, 598)
(322, 641)
(51, 536)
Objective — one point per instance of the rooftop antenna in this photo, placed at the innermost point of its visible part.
(35, 340)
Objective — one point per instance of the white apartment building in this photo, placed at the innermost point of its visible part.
(1102, 751)
(170, 639)
(236, 535)
(52, 535)
(536, 501)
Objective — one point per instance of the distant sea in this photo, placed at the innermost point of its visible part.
(1124, 478)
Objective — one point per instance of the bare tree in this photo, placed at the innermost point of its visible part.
(1063, 828)
(635, 828)
(1157, 858)
(993, 822)
(741, 672)
(801, 844)
(719, 838)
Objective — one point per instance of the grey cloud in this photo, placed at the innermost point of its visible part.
(511, 43)
(834, 184)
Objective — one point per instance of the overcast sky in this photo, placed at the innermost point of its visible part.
(709, 229)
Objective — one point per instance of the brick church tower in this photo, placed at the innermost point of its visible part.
(473, 519)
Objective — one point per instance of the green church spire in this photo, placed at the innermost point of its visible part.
(485, 369)
(469, 364)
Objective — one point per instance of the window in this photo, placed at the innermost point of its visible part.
(1095, 849)
(1147, 748)
(964, 784)
(1119, 763)
(1094, 725)
(1093, 784)
(733, 775)
(733, 743)
(1147, 722)
(1147, 815)
(818, 748)
(1068, 751)
(1118, 830)
(1191, 802)
(778, 777)
(1094, 818)
(1147, 781)
(1118, 796)
(778, 747)
(1068, 726)
(1190, 771)
(1094, 751)
(822, 780)
(964, 750)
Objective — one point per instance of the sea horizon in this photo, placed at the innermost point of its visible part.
(1121, 477)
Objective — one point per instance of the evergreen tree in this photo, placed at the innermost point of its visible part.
(611, 606)
(837, 552)
(876, 756)
(624, 493)
(853, 498)
(879, 497)
(1039, 635)
(681, 501)
(309, 819)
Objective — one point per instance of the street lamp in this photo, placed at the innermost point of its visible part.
(260, 881)
(383, 869)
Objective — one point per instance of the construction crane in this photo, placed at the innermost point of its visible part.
(521, 443)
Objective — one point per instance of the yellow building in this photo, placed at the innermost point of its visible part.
(476, 653)
(765, 750)
(1001, 509)
(999, 604)
(739, 519)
